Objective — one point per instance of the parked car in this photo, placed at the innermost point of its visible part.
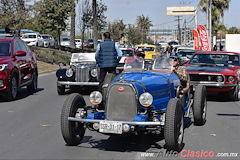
(24, 31)
(78, 43)
(18, 67)
(127, 52)
(33, 39)
(186, 54)
(83, 72)
(136, 101)
(65, 42)
(48, 40)
(218, 71)
(2, 31)
(89, 43)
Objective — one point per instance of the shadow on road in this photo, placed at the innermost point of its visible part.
(223, 114)
(82, 91)
(127, 143)
(22, 93)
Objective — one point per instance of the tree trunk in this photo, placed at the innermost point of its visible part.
(72, 32)
(94, 8)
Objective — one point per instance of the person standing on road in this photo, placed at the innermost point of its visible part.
(108, 54)
(168, 50)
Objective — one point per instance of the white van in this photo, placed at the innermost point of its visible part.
(33, 39)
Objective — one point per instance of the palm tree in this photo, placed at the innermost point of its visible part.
(144, 24)
(218, 8)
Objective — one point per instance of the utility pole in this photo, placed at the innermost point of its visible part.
(185, 31)
(179, 30)
(210, 23)
(196, 17)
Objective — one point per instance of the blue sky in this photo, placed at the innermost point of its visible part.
(128, 10)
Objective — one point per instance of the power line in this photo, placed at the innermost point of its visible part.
(164, 23)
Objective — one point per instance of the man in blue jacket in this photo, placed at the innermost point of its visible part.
(107, 57)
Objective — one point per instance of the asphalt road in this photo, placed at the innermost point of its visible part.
(30, 129)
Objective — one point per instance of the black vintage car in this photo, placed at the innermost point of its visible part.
(82, 73)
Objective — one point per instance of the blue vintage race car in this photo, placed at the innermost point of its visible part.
(138, 101)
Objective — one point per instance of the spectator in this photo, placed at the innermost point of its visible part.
(107, 57)
(215, 47)
(221, 47)
(140, 53)
(168, 49)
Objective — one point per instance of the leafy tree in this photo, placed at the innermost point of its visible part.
(144, 24)
(234, 30)
(14, 13)
(219, 28)
(101, 18)
(133, 34)
(85, 14)
(117, 29)
(51, 16)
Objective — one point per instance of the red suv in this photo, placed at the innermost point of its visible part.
(18, 67)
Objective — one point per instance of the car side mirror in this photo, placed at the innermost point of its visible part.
(20, 53)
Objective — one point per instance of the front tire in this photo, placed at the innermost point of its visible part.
(73, 132)
(13, 88)
(200, 105)
(233, 94)
(174, 125)
(61, 90)
(34, 85)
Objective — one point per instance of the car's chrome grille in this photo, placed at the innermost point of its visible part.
(206, 78)
(82, 74)
(121, 105)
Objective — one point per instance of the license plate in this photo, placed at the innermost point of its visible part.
(110, 127)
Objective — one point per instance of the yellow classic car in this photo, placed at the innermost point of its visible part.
(151, 51)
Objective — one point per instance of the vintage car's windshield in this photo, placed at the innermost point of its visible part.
(163, 64)
(215, 59)
(83, 57)
(134, 63)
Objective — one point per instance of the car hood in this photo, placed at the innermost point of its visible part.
(4, 59)
(216, 69)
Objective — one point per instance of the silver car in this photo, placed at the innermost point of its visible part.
(48, 40)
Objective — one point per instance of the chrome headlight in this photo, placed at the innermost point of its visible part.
(95, 97)
(3, 67)
(94, 72)
(69, 72)
(219, 78)
(146, 99)
(231, 79)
